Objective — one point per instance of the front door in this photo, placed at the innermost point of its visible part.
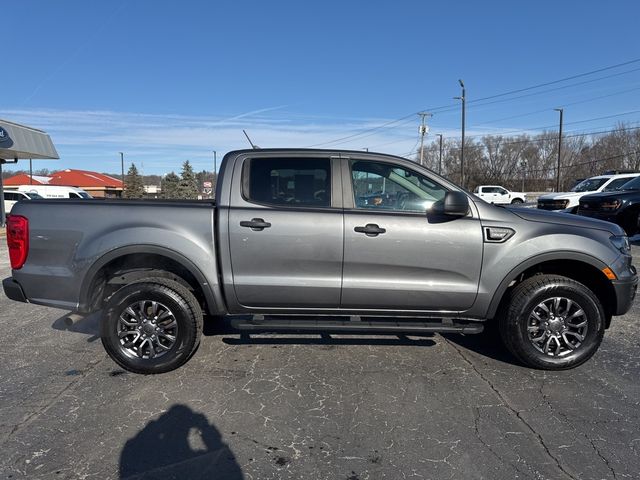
(286, 233)
(396, 256)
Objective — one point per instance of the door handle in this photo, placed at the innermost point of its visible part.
(370, 230)
(255, 224)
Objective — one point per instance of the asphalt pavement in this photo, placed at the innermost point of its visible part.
(311, 407)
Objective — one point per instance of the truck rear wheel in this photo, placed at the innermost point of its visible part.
(552, 322)
(152, 325)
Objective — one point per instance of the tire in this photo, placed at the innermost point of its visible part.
(516, 201)
(135, 342)
(526, 329)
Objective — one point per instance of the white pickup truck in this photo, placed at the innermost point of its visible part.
(568, 201)
(497, 194)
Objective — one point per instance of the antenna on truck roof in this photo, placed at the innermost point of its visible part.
(255, 147)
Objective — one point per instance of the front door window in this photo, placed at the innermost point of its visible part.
(381, 186)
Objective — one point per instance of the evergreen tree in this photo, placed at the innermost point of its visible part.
(133, 185)
(188, 186)
(170, 186)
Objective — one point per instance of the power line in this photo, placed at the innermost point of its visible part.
(549, 108)
(451, 107)
(374, 129)
(611, 67)
(534, 129)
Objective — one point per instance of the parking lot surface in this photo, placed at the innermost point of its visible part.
(312, 407)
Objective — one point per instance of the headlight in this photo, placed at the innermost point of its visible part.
(621, 242)
(612, 205)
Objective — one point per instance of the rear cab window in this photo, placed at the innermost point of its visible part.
(288, 182)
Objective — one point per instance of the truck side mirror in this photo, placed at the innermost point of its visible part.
(454, 203)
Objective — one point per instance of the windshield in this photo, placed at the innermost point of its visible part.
(589, 185)
(33, 195)
(84, 195)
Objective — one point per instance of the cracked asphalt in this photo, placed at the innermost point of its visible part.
(312, 407)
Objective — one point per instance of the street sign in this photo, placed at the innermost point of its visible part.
(207, 184)
(207, 191)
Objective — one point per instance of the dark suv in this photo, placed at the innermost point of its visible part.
(621, 206)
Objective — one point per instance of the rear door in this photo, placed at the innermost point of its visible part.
(396, 256)
(286, 231)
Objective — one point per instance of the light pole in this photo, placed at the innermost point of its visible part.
(463, 97)
(122, 170)
(440, 158)
(561, 110)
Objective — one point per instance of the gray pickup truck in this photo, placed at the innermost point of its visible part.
(324, 241)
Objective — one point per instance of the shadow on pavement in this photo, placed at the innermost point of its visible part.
(222, 327)
(487, 344)
(179, 444)
(72, 322)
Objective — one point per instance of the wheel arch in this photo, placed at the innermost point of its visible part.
(143, 257)
(578, 266)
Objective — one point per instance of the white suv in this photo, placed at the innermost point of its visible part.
(11, 197)
(569, 201)
(499, 195)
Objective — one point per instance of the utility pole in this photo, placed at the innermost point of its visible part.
(423, 130)
(122, 171)
(463, 97)
(561, 110)
(440, 158)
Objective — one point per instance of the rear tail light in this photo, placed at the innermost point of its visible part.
(17, 240)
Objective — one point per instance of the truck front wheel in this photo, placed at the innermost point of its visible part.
(151, 326)
(552, 322)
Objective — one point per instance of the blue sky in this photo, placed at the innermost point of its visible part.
(168, 81)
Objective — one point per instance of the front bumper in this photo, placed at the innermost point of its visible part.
(625, 294)
(13, 290)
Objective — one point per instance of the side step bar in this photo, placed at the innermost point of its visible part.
(361, 327)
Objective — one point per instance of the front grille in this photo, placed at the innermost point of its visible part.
(552, 204)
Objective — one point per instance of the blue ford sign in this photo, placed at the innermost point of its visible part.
(4, 137)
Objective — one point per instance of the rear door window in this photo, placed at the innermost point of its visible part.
(290, 182)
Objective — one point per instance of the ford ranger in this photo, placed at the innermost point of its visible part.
(323, 241)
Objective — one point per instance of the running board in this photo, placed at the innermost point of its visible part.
(349, 326)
